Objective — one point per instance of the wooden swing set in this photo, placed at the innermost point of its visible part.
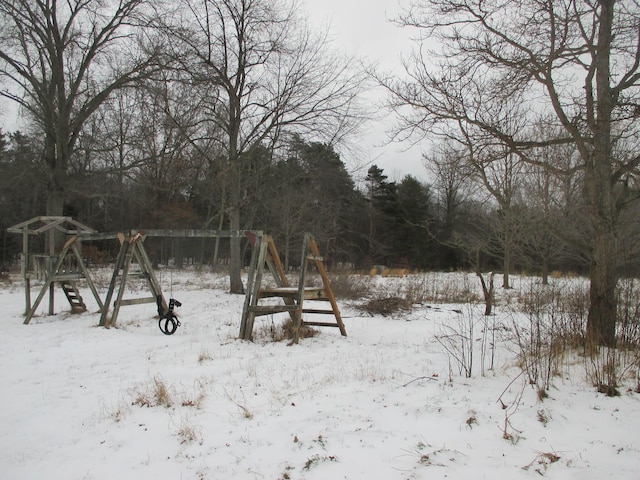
(67, 267)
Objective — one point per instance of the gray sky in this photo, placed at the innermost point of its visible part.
(363, 28)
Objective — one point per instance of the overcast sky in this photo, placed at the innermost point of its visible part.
(363, 28)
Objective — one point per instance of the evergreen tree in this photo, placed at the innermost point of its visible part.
(412, 243)
(383, 215)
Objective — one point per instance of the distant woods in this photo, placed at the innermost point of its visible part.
(359, 221)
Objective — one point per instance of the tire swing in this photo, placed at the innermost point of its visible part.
(168, 322)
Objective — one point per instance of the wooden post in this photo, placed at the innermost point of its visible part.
(27, 293)
(252, 285)
(25, 268)
(325, 281)
(51, 239)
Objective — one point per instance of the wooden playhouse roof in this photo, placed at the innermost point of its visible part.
(39, 225)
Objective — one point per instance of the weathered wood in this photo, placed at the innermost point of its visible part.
(73, 296)
(90, 237)
(49, 223)
(112, 284)
(173, 233)
(137, 301)
(320, 324)
(268, 309)
(320, 311)
(325, 281)
(292, 296)
(47, 265)
(252, 291)
(309, 293)
(55, 275)
(131, 247)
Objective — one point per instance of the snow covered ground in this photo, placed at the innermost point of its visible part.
(386, 402)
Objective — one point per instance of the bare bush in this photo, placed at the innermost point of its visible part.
(457, 341)
(385, 305)
(602, 370)
(629, 314)
(536, 334)
(609, 368)
(350, 287)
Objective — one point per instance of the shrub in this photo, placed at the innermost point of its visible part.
(350, 287)
(385, 305)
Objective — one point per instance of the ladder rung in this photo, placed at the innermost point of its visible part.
(318, 311)
(310, 293)
(321, 324)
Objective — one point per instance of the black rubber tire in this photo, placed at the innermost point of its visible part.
(168, 324)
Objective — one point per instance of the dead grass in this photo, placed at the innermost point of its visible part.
(188, 433)
(154, 394)
(277, 332)
(204, 356)
(157, 393)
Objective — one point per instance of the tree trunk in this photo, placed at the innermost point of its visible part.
(601, 323)
(55, 199)
(55, 181)
(545, 270)
(487, 291)
(235, 261)
(506, 264)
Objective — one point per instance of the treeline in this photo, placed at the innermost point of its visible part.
(450, 223)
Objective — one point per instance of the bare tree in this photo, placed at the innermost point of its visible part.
(575, 62)
(452, 183)
(272, 75)
(500, 173)
(61, 60)
(553, 211)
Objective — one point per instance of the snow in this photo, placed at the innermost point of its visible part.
(386, 402)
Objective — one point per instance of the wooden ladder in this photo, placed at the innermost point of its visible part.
(131, 248)
(73, 295)
(265, 253)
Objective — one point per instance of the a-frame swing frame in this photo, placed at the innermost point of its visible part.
(131, 248)
(266, 254)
